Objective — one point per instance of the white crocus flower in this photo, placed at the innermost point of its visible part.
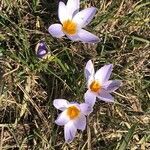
(72, 22)
(72, 117)
(99, 84)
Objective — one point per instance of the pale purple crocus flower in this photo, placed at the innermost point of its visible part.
(72, 21)
(72, 117)
(98, 83)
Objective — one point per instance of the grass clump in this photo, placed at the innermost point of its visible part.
(28, 85)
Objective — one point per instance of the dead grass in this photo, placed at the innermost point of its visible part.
(28, 85)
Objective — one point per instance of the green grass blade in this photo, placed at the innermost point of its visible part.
(127, 138)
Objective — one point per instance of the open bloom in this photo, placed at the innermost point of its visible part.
(99, 84)
(72, 117)
(72, 22)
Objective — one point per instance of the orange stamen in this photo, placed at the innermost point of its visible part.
(95, 86)
(73, 112)
(69, 27)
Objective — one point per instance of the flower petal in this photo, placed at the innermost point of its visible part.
(62, 12)
(60, 104)
(103, 74)
(73, 37)
(87, 37)
(72, 7)
(86, 109)
(84, 17)
(41, 49)
(90, 98)
(62, 119)
(112, 85)
(69, 131)
(105, 96)
(56, 30)
(89, 70)
(80, 122)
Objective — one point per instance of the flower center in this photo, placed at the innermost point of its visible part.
(69, 27)
(73, 112)
(95, 86)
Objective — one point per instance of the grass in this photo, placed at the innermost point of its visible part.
(28, 85)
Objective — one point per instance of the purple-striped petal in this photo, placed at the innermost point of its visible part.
(69, 131)
(87, 37)
(56, 30)
(105, 96)
(41, 52)
(86, 109)
(41, 49)
(80, 122)
(112, 85)
(103, 74)
(84, 17)
(90, 98)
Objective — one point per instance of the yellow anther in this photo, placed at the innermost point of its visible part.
(95, 86)
(69, 27)
(73, 112)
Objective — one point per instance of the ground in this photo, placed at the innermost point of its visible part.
(29, 85)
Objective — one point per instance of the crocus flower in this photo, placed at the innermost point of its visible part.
(41, 50)
(72, 22)
(99, 84)
(72, 117)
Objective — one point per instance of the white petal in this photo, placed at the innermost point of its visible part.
(69, 131)
(60, 104)
(73, 37)
(105, 96)
(84, 17)
(112, 85)
(72, 7)
(73, 104)
(90, 98)
(87, 37)
(80, 122)
(89, 70)
(86, 109)
(103, 74)
(90, 80)
(62, 119)
(56, 30)
(62, 12)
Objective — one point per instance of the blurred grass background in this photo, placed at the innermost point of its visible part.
(29, 85)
